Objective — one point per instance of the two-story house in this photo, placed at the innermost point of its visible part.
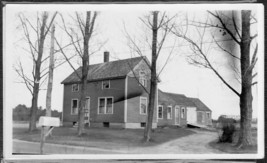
(115, 96)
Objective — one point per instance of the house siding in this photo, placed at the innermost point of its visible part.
(94, 91)
(135, 91)
(170, 122)
(203, 119)
(164, 121)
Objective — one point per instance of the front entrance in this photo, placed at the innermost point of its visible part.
(87, 111)
(177, 115)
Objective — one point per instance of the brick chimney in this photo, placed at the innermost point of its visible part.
(106, 56)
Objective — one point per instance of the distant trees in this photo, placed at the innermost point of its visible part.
(223, 119)
(22, 113)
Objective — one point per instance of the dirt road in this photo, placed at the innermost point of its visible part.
(192, 144)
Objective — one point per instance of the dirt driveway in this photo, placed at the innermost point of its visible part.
(192, 144)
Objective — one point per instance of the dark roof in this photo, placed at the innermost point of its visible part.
(199, 104)
(106, 70)
(179, 99)
(163, 97)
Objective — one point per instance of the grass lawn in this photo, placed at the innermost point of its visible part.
(230, 148)
(107, 138)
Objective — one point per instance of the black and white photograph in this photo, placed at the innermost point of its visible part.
(133, 81)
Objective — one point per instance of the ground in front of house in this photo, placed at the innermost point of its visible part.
(114, 141)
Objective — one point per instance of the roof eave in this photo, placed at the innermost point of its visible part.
(94, 80)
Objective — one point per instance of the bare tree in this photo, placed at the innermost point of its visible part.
(157, 25)
(237, 33)
(36, 49)
(86, 29)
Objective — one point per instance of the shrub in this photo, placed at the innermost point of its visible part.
(228, 131)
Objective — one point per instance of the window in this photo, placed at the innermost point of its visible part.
(169, 112)
(143, 124)
(142, 78)
(105, 124)
(183, 112)
(106, 84)
(208, 114)
(74, 106)
(105, 105)
(75, 87)
(160, 112)
(101, 106)
(143, 105)
(87, 110)
(109, 109)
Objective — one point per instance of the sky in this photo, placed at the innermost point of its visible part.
(177, 77)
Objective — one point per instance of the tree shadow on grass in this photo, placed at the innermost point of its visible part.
(231, 148)
(108, 138)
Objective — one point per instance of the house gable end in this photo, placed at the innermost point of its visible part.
(141, 66)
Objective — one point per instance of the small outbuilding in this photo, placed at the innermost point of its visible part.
(198, 114)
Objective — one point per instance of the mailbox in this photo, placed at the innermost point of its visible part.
(49, 121)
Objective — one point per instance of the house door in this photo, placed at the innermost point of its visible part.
(87, 111)
(177, 115)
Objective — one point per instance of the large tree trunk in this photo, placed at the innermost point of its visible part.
(50, 75)
(153, 80)
(85, 64)
(246, 76)
(32, 123)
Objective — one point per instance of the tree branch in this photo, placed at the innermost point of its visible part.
(92, 25)
(207, 61)
(225, 27)
(81, 25)
(135, 48)
(254, 83)
(167, 60)
(50, 24)
(223, 49)
(71, 37)
(65, 56)
(25, 79)
(235, 26)
(252, 37)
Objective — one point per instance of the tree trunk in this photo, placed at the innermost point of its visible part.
(50, 75)
(153, 80)
(32, 123)
(85, 61)
(82, 108)
(246, 76)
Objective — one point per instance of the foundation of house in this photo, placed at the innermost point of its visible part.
(112, 125)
